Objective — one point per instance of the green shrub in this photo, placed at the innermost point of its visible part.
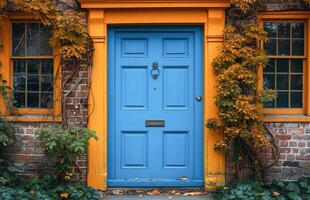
(276, 190)
(7, 134)
(63, 145)
(7, 138)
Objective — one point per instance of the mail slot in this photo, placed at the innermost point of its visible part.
(155, 123)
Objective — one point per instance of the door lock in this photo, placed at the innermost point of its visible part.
(198, 98)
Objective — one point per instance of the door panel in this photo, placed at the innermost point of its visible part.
(167, 155)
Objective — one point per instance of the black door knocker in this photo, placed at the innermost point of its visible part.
(155, 71)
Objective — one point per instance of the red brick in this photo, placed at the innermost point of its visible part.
(290, 157)
(298, 137)
(301, 144)
(283, 137)
(283, 143)
(298, 130)
(285, 150)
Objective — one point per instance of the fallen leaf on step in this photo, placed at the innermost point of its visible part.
(193, 194)
(275, 194)
(184, 178)
(154, 192)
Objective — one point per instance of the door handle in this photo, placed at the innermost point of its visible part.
(198, 98)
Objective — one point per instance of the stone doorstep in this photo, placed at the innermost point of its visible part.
(155, 193)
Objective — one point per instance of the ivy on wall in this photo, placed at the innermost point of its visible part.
(70, 39)
(239, 99)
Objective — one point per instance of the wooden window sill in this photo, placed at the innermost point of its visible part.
(286, 118)
(32, 118)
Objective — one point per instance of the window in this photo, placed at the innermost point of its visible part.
(285, 75)
(33, 67)
(285, 71)
(288, 69)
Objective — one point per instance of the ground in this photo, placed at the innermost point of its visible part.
(156, 194)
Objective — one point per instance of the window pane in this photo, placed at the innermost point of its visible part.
(33, 100)
(47, 83)
(270, 66)
(282, 100)
(45, 32)
(46, 100)
(284, 47)
(296, 65)
(282, 65)
(296, 82)
(19, 66)
(297, 47)
(33, 39)
(33, 48)
(271, 47)
(19, 98)
(18, 30)
(282, 82)
(296, 99)
(33, 32)
(33, 67)
(298, 30)
(269, 81)
(18, 47)
(19, 83)
(47, 67)
(33, 83)
(271, 29)
(46, 49)
(18, 39)
(284, 30)
(270, 104)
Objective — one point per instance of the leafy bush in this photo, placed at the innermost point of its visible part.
(276, 190)
(7, 136)
(46, 187)
(62, 146)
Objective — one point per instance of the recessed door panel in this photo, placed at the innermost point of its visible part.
(134, 87)
(176, 149)
(155, 123)
(134, 149)
(176, 86)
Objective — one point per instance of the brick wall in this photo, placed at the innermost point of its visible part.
(26, 149)
(293, 141)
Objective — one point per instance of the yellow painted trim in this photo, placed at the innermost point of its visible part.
(155, 4)
(97, 151)
(287, 118)
(213, 21)
(7, 72)
(32, 118)
(278, 113)
(214, 161)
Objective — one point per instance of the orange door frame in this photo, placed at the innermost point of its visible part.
(210, 15)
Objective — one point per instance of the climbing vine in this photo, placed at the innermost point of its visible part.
(69, 38)
(240, 100)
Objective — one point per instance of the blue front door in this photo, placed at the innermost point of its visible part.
(155, 108)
